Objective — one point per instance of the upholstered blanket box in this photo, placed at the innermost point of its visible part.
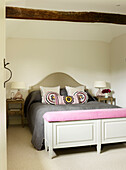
(84, 127)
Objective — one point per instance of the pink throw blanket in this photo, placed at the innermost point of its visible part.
(58, 116)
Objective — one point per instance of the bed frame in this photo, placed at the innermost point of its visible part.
(79, 133)
(83, 133)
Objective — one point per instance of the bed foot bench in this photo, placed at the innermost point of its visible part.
(73, 133)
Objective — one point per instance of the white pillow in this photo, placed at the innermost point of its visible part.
(45, 90)
(72, 90)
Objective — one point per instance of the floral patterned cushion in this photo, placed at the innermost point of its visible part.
(68, 99)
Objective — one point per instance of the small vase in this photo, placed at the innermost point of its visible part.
(106, 95)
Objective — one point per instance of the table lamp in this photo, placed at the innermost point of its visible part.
(18, 86)
(99, 85)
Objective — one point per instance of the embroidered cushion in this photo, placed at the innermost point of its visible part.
(82, 96)
(68, 99)
(45, 90)
(51, 98)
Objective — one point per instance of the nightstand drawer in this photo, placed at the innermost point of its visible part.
(13, 112)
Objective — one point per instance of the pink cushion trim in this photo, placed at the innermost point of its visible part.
(84, 114)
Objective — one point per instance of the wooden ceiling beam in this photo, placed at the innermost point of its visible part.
(90, 17)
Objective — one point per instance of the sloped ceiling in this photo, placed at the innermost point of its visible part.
(66, 30)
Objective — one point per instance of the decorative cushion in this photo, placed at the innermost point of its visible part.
(82, 96)
(51, 98)
(72, 90)
(68, 99)
(45, 90)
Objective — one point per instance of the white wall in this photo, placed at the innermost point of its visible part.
(118, 68)
(31, 60)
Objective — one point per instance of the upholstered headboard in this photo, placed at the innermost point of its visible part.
(56, 79)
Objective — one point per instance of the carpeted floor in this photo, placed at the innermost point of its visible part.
(22, 155)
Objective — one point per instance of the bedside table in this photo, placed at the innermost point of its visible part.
(106, 100)
(15, 107)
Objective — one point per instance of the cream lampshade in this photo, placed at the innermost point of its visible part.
(18, 86)
(99, 85)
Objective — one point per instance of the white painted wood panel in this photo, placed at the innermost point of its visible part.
(76, 133)
(113, 130)
(82, 133)
(3, 156)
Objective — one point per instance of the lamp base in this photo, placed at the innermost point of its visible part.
(18, 95)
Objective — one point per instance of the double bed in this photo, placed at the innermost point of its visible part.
(35, 109)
